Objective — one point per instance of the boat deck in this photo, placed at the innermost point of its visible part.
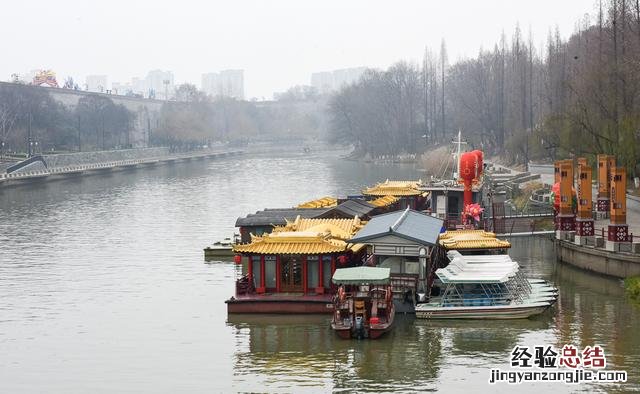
(281, 303)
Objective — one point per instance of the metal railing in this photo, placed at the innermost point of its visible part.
(109, 165)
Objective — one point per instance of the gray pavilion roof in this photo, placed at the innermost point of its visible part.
(353, 207)
(278, 216)
(408, 224)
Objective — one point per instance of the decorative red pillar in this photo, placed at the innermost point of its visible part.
(250, 268)
(584, 222)
(566, 217)
(618, 233)
(605, 165)
(320, 288)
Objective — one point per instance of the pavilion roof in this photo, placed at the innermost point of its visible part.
(305, 236)
(337, 228)
(384, 201)
(408, 224)
(324, 202)
(471, 239)
(394, 188)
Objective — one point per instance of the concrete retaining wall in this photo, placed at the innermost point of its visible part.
(616, 264)
(83, 158)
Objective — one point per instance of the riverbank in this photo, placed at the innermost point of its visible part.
(56, 167)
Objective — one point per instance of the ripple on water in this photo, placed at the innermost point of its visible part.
(105, 275)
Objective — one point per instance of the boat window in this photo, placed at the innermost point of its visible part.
(312, 272)
(270, 271)
(326, 271)
(255, 261)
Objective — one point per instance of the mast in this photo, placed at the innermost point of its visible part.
(459, 142)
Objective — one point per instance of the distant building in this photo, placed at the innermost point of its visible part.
(159, 84)
(228, 83)
(211, 84)
(123, 89)
(330, 81)
(96, 83)
(322, 81)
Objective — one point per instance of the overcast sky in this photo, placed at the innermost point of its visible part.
(278, 43)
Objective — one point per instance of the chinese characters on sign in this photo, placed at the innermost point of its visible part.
(548, 364)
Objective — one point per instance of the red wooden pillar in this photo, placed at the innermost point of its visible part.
(250, 268)
(278, 271)
(304, 274)
(262, 272)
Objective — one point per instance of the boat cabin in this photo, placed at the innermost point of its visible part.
(403, 241)
(446, 200)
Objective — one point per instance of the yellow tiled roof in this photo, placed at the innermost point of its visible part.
(306, 236)
(384, 201)
(471, 239)
(295, 242)
(323, 202)
(394, 188)
(338, 228)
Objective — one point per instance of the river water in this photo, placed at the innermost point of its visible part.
(103, 288)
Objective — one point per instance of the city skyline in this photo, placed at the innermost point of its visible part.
(294, 40)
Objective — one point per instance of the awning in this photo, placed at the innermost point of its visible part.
(362, 276)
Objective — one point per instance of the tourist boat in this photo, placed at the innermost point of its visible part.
(289, 270)
(222, 248)
(486, 287)
(364, 302)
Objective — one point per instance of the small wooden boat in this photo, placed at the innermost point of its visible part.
(486, 287)
(363, 306)
(222, 248)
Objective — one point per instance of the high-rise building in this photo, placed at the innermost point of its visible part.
(228, 83)
(329, 81)
(211, 84)
(96, 83)
(323, 81)
(159, 84)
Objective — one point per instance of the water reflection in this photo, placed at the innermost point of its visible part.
(429, 354)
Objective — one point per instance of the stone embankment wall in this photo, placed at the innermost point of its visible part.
(81, 158)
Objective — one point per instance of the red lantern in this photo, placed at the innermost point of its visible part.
(468, 172)
(480, 157)
(342, 259)
(237, 259)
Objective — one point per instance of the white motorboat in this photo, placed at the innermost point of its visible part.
(486, 287)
